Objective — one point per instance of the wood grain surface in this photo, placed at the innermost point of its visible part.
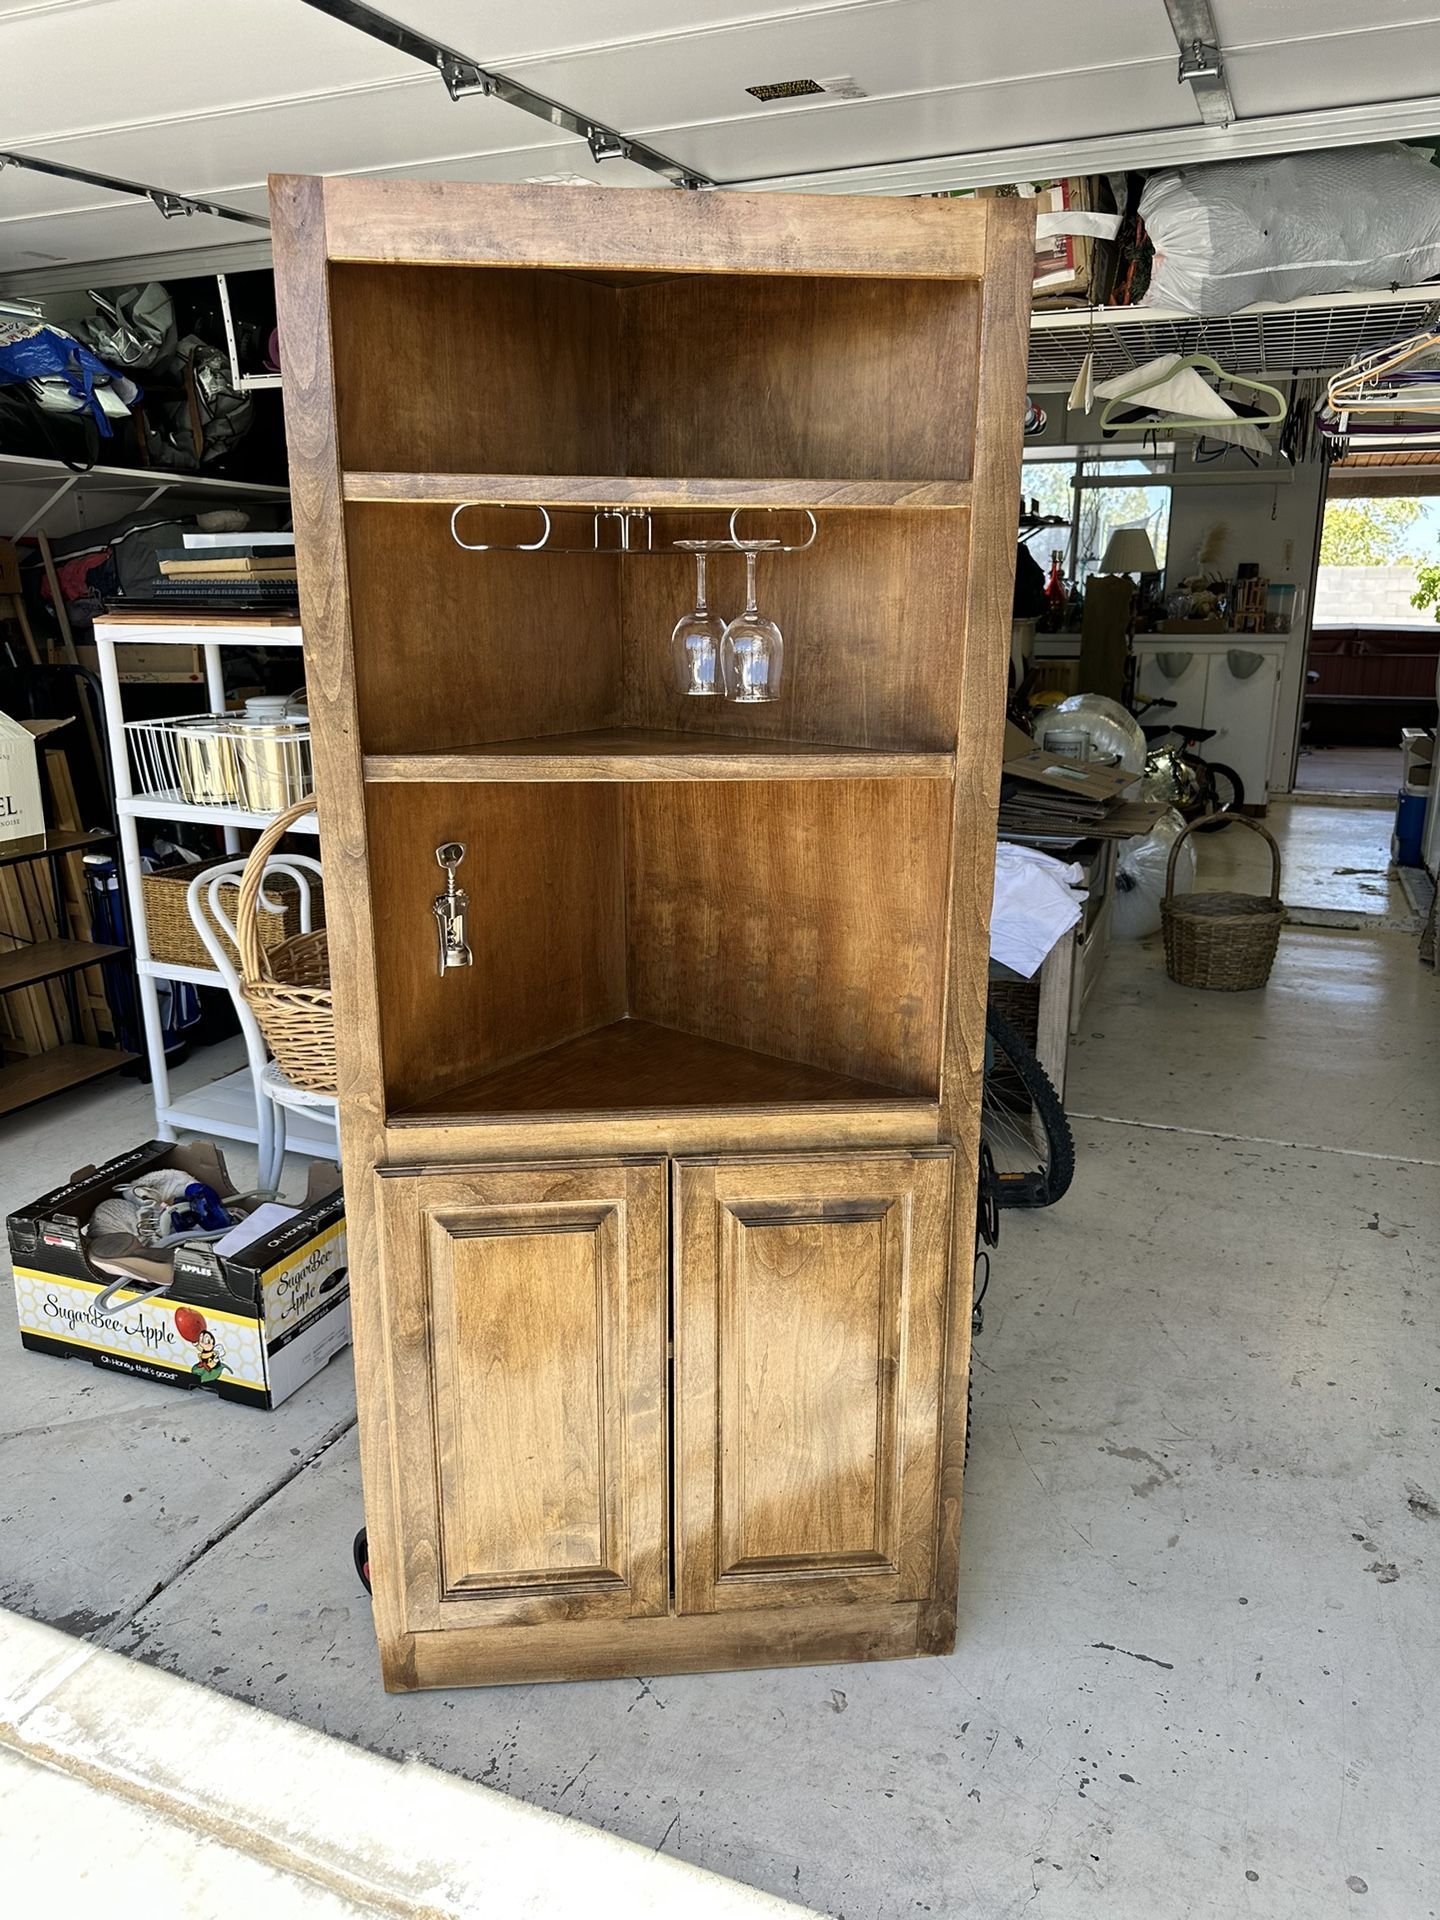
(545, 875)
(502, 370)
(805, 920)
(870, 620)
(303, 306)
(453, 647)
(810, 1300)
(655, 490)
(781, 1636)
(633, 1066)
(799, 376)
(534, 1475)
(646, 230)
(653, 753)
(980, 720)
(760, 945)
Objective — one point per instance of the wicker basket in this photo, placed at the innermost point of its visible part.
(288, 985)
(173, 934)
(1222, 941)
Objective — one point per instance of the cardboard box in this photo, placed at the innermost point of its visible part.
(1071, 269)
(145, 666)
(22, 810)
(1085, 780)
(251, 1326)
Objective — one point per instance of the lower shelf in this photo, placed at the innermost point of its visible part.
(26, 1081)
(47, 959)
(225, 1110)
(634, 1065)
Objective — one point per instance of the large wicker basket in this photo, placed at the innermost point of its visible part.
(1225, 942)
(173, 935)
(288, 985)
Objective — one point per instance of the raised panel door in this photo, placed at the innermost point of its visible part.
(528, 1320)
(810, 1314)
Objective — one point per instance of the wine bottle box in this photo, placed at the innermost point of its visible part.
(251, 1326)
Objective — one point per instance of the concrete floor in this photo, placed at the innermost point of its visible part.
(1349, 770)
(1201, 1554)
(1334, 862)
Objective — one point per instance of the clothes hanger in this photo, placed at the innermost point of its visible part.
(1152, 379)
(1387, 380)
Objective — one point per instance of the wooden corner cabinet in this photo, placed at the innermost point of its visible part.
(661, 1212)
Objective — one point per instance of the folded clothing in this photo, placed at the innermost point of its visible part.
(1037, 901)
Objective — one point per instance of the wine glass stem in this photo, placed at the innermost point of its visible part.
(700, 605)
(750, 607)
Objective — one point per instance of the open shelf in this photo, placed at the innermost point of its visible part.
(170, 805)
(619, 490)
(642, 753)
(778, 376)
(636, 1066)
(48, 959)
(25, 1081)
(457, 649)
(39, 846)
(225, 1109)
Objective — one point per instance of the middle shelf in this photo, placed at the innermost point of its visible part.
(643, 753)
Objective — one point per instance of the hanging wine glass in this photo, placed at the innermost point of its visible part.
(695, 641)
(752, 654)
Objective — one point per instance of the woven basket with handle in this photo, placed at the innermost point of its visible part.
(1223, 941)
(287, 986)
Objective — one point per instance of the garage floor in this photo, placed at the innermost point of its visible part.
(1196, 1669)
(1335, 865)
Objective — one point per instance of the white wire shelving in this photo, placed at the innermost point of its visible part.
(1317, 334)
(223, 1108)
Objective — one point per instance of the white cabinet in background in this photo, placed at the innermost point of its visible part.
(1230, 683)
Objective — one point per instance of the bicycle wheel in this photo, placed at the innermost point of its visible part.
(1022, 1122)
(1224, 793)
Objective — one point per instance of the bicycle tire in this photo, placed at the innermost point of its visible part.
(1041, 1186)
(1224, 795)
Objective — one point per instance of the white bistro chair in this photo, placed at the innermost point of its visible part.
(274, 1094)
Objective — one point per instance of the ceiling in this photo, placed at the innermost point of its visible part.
(206, 100)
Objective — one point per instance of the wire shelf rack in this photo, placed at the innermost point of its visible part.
(220, 760)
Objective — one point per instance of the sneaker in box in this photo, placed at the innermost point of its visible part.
(249, 1318)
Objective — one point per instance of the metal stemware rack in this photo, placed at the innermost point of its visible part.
(628, 524)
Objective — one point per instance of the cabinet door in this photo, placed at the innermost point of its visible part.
(527, 1319)
(1186, 688)
(1242, 712)
(810, 1316)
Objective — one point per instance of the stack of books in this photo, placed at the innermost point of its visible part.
(228, 569)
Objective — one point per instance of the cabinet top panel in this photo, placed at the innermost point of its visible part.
(608, 229)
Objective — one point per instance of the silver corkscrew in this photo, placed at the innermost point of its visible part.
(450, 909)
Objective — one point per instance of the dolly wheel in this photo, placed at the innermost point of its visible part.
(362, 1558)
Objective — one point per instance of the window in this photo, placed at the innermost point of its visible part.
(1375, 554)
(1120, 499)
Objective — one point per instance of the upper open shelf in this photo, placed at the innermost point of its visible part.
(790, 380)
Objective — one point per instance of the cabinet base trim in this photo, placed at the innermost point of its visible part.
(689, 1643)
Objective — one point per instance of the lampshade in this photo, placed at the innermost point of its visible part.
(1129, 551)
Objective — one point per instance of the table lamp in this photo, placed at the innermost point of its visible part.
(1129, 551)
